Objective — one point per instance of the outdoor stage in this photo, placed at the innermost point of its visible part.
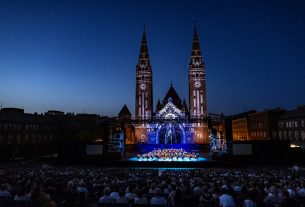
(204, 159)
(166, 154)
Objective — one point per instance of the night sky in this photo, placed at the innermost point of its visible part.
(80, 56)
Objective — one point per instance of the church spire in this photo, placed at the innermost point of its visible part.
(144, 90)
(197, 84)
(144, 49)
(196, 47)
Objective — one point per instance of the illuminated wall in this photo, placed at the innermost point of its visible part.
(201, 133)
(172, 133)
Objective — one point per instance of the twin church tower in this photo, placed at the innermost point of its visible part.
(197, 105)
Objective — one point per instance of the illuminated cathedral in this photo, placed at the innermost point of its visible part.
(174, 121)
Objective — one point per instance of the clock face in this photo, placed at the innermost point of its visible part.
(143, 86)
(197, 84)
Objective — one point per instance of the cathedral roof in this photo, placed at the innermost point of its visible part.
(172, 94)
(170, 111)
(159, 106)
(125, 111)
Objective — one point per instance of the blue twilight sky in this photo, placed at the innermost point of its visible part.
(80, 56)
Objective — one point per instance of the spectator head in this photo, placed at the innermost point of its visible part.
(121, 193)
(158, 192)
(224, 190)
(106, 191)
(51, 204)
(81, 184)
(286, 193)
(3, 187)
(140, 193)
(21, 191)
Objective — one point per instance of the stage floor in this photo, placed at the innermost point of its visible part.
(203, 159)
(199, 159)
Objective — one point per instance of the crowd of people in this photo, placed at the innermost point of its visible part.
(210, 187)
(168, 154)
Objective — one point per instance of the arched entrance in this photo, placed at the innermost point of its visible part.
(170, 133)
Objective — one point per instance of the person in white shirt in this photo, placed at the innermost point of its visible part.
(171, 196)
(121, 199)
(21, 195)
(115, 193)
(158, 199)
(272, 197)
(82, 189)
(106, 198)
(249, 201)
(225, 200)
(3, 191)
(140, 199)
(130, 195)
(301, 191)
(291, 192)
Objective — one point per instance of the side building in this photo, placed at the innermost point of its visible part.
(263, 125)
(240, 126)
(24, 135)
(292, 126)
(253, 126)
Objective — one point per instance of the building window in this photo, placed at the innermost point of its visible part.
(10, 139)
(26, 138)
(296, 135)
(290, 135)
(285, 134)
(303, 135)
(18, 139)
(33, 139)
(302, 122)
(280, 134)
(259, 125)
